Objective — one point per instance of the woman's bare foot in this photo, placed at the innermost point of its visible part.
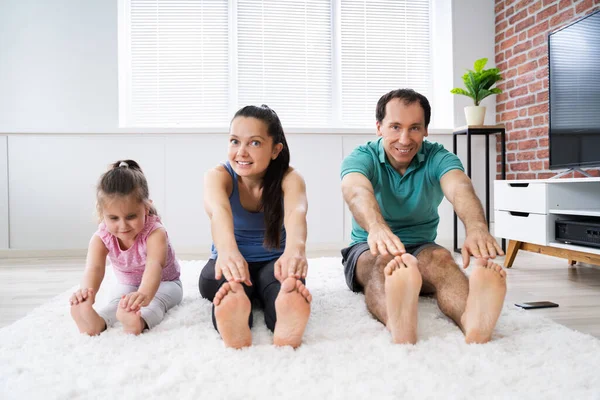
(402, 286)
(487, 289)
(87, 319)
(232, 310)
(132, 320)
(292, 307)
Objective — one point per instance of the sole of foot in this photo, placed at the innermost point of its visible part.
(87, 319)
(232, 310)
(293, 309)
(132, 321)
(403, 283)
(487, 289)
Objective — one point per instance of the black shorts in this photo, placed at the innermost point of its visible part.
(350, 258)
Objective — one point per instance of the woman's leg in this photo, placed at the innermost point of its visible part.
(232, 310)
(286, 305)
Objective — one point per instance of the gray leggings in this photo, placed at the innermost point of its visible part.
(169, 295)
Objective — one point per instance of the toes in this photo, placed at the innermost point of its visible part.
(391, 266)
(288, 284)
(409, 260)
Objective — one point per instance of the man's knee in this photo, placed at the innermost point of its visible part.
(369, 266)
(436, 259)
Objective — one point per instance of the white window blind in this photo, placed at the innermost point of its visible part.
(284, 59)
(385, 45)
(175, 64)
(317, 63)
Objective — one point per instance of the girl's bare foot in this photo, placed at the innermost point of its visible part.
(232, 310)
(87, 319)
(402, 286)
(292, 307)
(132, 320)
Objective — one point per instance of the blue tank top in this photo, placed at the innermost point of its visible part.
(249, 228)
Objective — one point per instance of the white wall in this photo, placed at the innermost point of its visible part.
(58, 66)
(3, 193)
(58, 77)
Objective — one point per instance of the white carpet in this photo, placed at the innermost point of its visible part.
(346, 354)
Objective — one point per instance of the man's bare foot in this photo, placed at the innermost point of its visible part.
(292, 307)
(487, 289)
(132, 320)
(402, 286)
(232, 311)
(87, 319)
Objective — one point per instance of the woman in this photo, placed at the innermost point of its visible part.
(257, 207)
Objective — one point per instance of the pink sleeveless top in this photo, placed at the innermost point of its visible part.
(129, 264)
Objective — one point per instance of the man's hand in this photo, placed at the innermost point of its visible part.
(480, 244)
(382, 241)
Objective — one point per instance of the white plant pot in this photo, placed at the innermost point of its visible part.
(475, 115)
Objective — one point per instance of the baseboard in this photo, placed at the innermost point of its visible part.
(183, 253)
(27, 253)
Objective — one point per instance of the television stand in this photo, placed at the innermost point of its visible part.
(526, 212)
(575, 169)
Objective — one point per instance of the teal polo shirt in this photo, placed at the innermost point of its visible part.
(409, 203)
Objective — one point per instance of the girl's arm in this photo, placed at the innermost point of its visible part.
(95, 266)
(293, 261)
(156, 259)
(217, 189)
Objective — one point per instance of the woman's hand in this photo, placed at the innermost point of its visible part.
(291, 265)
(233, 266)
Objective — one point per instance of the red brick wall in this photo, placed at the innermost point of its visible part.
(522, 28)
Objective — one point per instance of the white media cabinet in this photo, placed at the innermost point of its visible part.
(525, 212)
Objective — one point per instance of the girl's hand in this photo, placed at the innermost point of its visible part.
(291, 265)
(134, 301)
(82, 295)
(233, 266)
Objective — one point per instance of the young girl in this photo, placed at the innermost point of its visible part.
(248, 199)
(140, 252)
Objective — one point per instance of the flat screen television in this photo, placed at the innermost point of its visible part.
(574, 94)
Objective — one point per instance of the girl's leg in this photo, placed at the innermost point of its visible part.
(109, 312)
(169, 295)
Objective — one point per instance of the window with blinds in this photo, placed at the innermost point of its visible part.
(318, 63)
(385, 45)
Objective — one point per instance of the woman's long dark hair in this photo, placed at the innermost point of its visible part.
(272, 195)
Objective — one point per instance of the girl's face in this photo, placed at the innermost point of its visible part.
(251, 149)
(124, 217)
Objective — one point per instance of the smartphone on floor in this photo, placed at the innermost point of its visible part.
(536, 304)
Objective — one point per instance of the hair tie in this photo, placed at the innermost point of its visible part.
(123, 164)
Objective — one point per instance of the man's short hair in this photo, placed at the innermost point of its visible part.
(409, 96)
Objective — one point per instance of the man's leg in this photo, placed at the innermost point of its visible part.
(473, 304)
(391, 286)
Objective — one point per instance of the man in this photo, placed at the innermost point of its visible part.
(393, 187)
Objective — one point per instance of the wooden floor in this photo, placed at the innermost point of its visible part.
(26, 283)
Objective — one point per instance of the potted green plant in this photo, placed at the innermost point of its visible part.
(478, 84)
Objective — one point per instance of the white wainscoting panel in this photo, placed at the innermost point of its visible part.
(52, 184)
(188, 157)
(318, 159)
(4, 216)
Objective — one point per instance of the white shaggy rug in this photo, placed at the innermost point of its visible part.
(346, 354)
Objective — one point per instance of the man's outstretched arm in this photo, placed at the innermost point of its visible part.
(458, 189)
(360, 197)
